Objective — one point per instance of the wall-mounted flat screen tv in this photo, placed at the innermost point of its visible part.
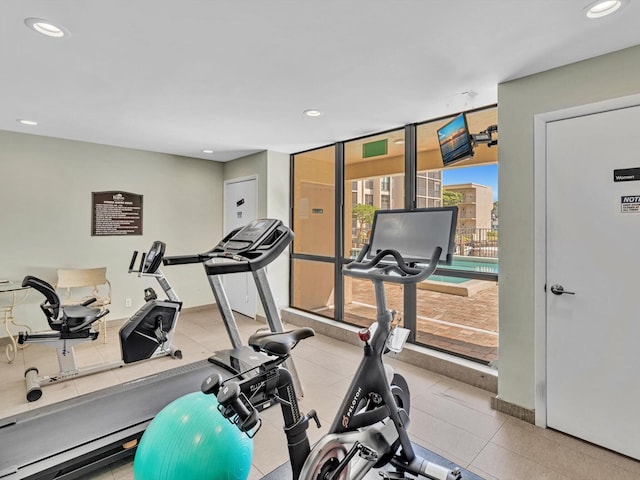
(455, 140)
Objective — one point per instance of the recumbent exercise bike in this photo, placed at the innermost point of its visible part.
(146, 335)
(370, 428)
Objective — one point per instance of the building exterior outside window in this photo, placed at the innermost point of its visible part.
(428, 189)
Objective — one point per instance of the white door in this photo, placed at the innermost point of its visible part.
(593, 239)
(240, 208)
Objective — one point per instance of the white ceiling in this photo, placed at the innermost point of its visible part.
(179, 76)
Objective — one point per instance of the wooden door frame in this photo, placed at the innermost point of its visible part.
(540, 236)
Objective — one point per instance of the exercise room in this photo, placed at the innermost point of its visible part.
(318, 241)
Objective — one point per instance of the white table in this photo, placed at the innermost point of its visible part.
(17, 295)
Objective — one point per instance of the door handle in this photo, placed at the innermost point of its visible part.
(559, 290)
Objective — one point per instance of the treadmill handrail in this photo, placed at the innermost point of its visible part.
(186, 259)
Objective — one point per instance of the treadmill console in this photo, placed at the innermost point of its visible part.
(245, 249)
(248, 237)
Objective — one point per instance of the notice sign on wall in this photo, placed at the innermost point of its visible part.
(630, 204)
(116, 213)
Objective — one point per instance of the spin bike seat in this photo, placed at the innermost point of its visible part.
(278, 344)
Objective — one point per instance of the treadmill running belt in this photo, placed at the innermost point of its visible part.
(59, 440)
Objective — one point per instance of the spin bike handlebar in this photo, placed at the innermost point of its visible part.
(396, 272)
(232, 403)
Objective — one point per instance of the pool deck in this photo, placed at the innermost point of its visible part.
(467, 288)
(466, 325)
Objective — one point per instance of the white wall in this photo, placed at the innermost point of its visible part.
(46, 215)
(601, 78)
(278, 206)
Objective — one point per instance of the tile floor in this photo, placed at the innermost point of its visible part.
(448, 417)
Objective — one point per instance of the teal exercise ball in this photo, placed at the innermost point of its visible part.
(190, 440)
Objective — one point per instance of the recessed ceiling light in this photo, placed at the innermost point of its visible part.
(24, 121)
(312, 112)
(602, 8)
(45, 27)
(207, 151)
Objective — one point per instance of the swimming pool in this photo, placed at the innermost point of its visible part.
(475, 264)
(445, 279)
(460, 285)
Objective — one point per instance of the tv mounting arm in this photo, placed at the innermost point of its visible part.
(485, 136)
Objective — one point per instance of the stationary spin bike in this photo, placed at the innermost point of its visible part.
(146, 335)
(370, 429)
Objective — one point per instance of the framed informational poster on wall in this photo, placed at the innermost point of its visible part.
(116, 213)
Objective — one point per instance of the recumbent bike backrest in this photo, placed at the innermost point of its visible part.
(50, 307)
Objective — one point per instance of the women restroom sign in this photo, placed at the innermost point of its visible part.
(628, 203)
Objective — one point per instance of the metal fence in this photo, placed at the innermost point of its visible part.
(470, 242)
(477, 242)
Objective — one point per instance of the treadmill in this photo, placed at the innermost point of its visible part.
(72, 438)
(247, 249)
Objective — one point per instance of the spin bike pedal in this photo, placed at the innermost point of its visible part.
(367, 453)
(392, 475)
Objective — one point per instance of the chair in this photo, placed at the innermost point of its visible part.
(81, 284)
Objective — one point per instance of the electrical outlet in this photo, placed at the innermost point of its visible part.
(127, 303)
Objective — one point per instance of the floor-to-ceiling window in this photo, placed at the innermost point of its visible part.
(456, 310)
(374, 174)
(314, 214)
